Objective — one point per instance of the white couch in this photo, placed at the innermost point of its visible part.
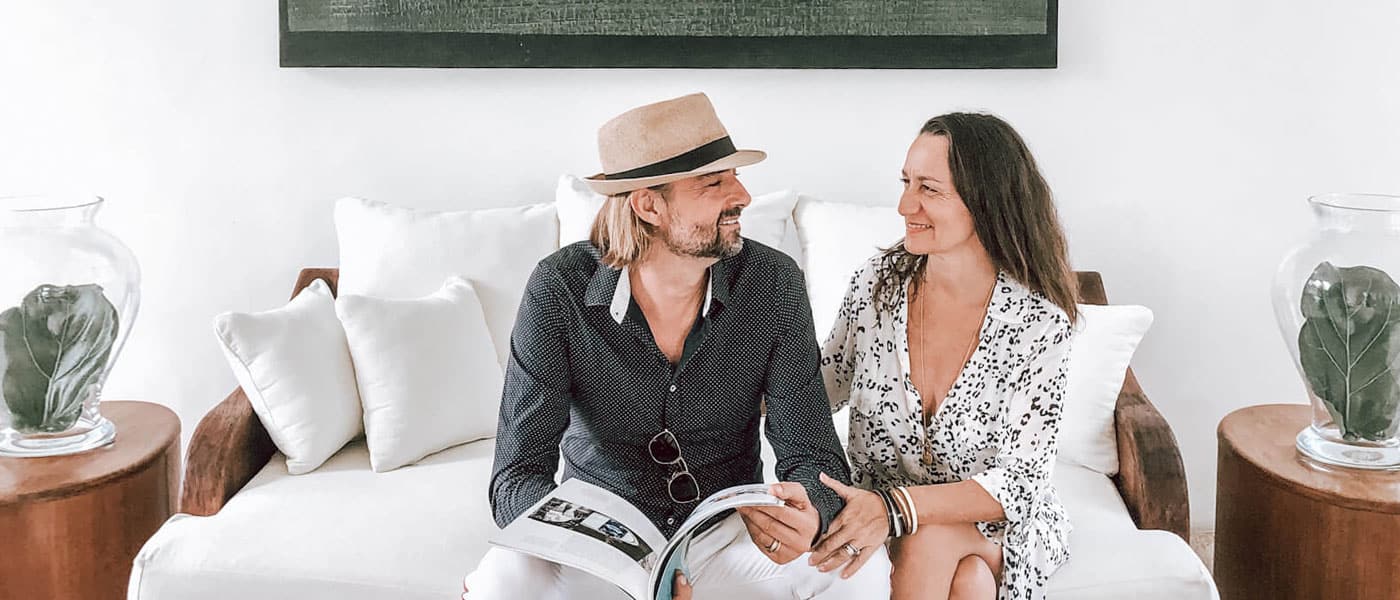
(248, 529)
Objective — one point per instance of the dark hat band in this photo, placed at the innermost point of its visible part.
(682, 163)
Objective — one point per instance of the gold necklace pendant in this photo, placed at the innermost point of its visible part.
(925, 416)
(922, 364)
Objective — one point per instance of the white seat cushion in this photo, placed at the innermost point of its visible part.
(1110, 557)
(341, 531)
(1091, 499)
(1142, 565)
(348, 533)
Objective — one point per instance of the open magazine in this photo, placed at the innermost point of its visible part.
(592, 529)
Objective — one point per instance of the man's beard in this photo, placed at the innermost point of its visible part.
(704, 241)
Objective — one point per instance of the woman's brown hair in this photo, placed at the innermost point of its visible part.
(1012, 211)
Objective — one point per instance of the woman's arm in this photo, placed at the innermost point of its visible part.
(958, 502)
(1021, 469)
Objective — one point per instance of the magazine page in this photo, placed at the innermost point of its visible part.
(674, 555)
(587, 527)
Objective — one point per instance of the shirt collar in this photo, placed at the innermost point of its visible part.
(607, 279)
(1009, 299)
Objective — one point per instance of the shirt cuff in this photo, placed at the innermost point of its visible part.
(827, 503)
(1001, 485)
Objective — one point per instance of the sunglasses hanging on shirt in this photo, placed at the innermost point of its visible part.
(681, 485)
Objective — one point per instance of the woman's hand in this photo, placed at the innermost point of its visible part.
(680, 587)
(864, 525)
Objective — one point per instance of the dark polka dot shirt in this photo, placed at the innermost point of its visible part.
(587, 382)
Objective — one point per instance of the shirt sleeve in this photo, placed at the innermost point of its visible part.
(839, 352)
(1021, 470)
(534, 402)
(798, 424)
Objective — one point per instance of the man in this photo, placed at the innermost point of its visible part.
(646, 356)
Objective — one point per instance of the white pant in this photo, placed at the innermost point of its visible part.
(724, 564)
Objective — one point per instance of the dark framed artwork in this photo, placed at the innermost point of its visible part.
(867, 34)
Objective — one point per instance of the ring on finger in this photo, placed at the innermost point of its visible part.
(773, 547)
(850, 550)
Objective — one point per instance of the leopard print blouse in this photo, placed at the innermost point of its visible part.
(997, 425)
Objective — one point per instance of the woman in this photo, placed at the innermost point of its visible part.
(950, 349)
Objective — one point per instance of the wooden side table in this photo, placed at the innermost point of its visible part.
(71, 525)
(1288, 527)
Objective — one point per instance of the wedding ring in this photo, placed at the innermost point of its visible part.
(851, 550)
(773, 547)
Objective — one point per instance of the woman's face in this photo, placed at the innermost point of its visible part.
(935, 219)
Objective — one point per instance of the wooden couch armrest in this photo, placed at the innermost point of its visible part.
(227, 449)
(1151, 476)
(230, 444)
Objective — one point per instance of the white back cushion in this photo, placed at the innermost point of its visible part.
(837, 237)
(768, 219)
(428, 376)
(294, 365)
(1104, 341)
(392, 252)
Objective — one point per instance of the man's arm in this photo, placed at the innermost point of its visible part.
(534, 402)
(799, 422)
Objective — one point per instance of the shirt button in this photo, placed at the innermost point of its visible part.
(673, 388)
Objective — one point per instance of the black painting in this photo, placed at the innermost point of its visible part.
(685, 34)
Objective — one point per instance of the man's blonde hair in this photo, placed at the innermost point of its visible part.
(619, 234)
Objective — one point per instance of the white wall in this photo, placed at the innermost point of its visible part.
(1181, 139)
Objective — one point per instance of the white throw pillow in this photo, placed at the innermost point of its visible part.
(1104, 341)
(294, 365)
(768, 219)
(577, 205)
(837, 238)
(427, 374)
(391, 252)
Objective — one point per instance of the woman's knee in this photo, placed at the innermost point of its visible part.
(973, 580)
(927, 558)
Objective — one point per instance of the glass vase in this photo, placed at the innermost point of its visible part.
(68, 296)
(1337, 303)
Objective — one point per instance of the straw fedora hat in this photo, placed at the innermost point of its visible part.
(664, 142)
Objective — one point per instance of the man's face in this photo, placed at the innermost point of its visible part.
(702, 215)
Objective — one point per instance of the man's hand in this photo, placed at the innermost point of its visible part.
(783, 533)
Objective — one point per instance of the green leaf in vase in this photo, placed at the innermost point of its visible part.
(53, 349)
(1350, 348)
